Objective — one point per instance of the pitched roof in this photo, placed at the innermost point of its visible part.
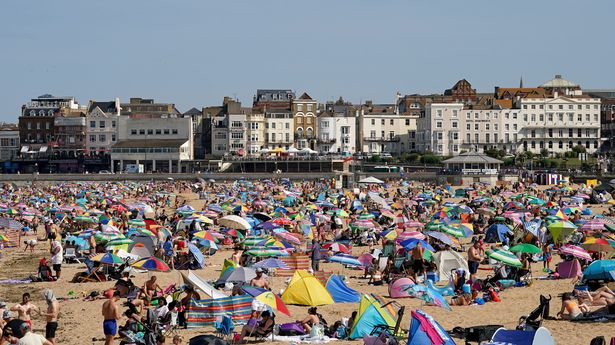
(107, 107)
(192, 111)
(472, 157)
(306, 97)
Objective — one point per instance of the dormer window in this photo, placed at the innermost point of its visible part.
(32, 113)
(41, 112)
(50, 112)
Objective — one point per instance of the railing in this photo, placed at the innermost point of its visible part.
(326, 140)
(385, 139)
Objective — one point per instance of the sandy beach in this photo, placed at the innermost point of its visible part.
(80, 322)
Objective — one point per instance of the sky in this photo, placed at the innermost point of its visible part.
(193, 53)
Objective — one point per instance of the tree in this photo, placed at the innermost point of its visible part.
(544, 153)
(578, 149)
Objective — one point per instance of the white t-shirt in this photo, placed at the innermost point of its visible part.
(56, 259)
(31, 339)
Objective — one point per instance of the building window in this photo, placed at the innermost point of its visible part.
(165, 131)
(439, 124)
(476, 126)
(158, 131)
(113, 137)
(454, 124)
(468, 126)
(92, 124)
(550, 145)
(407, 122)
(92, 138)
(133, 132)
(560, 144)
(382, 122)
(102, 138)
(174, 131)
(486, 126)
(299, 107)
(273, 125)
(309, 107)
(570, 133)
(373, 122)
(150, 131)
(287, 125)
(142, 132)
(113, 124)
(236, 135)
(101, 124)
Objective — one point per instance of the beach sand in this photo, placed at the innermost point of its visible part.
(81, 321)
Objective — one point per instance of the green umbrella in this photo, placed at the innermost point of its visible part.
(84, 219)
(610, 227)
(119, 242)
(505, 257)
(136, 222)
(526, 248)
(561, 229)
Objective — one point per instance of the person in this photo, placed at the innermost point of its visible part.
(259, 280)
(315, 255)
(111, 314)
(178, 339)
(25, 308)
(53, 309)
(185, 304)
(169, 254)
(236, 257)
(150, 287)
(2, 310)
(418, 265)
(546, 257)
(474, 259)
(30, 338)
(57, 255)
(263, 327)
(575, 311)
(310, 320)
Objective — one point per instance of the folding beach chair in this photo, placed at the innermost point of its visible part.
(225, 327)
(173, 325)
(92, 272)
(400, 335)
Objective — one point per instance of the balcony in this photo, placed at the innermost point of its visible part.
(326, 140)
(382, 139)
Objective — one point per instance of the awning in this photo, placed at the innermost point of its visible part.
(24, 149)
(43, 149)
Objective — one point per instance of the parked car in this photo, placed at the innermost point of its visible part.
(385, 155)
(107, 172)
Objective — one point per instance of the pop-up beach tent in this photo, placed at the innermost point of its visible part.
(340, 292)
(448, 260)
(424, 330)
(399, 288)
(305, 289)
(373, 311)
(541, 336)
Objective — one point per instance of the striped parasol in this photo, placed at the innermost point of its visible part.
(345, 259)
(504, 256)
(575, 251)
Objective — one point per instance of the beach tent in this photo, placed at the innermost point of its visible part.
(569, 269)
(496, 233)
(371, 180)
(424, 330)
(448, 260)
(340, 292)
(200, 283)
(372, 311)
(541, 336)
(305, 289)
(227, 265)
(399, 288)
(142, 245)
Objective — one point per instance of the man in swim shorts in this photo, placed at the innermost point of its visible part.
(110, 314)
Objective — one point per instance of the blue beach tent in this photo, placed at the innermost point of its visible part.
(340, 291)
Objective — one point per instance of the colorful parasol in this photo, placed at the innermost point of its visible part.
(152, 264)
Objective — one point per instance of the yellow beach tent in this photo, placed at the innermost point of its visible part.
(305, 289)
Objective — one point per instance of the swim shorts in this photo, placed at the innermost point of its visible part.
(110, 327)
(473, 266)
(50, 329)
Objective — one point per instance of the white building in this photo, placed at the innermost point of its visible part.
(255, 132)
(102, 120)
(383, 129)
(9, 142)
(559, 123)
(159, 142)
(336, 133)
(279, 129)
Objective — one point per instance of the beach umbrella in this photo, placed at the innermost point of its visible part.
(151, 264)
(237, 275)
(428, 295)
(561, 229)
(526, 248)
(119, 242)
(337, 247)
(268, 298)
(345, 259)
(197, 254)
(205, 235)
(106, 237)
(287, 236)
(4, 238)
(600, 270)
(597, 245)
(9, 223)
(271, 263)
(440, 237)
(366, 259)
(137, 222)
(504, 257)
(486, 211)
(107, 259)
(575, 251)
(234, 222)
(411, 243)
(84, 219)
(235, 233)
(410, 234)
(267, 252)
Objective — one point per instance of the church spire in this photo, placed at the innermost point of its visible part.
(521, 83)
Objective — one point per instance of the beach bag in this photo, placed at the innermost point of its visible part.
(598, 341)
(318, 331)
(291, 329)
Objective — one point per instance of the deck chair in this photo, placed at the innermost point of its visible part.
(70, 255)
(172, 325)
(224, 327)
(91, 275)
(533, 321)
(400, 335)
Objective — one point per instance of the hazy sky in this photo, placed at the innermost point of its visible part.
(193, 53)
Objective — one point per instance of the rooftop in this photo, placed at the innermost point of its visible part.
(472, 157)
(559, 82)
(150, 143)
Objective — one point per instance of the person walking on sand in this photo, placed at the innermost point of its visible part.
(25, 308)
(315, 255)
(474, 258)
(53, 309)
(111, 314)
(57, 255)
